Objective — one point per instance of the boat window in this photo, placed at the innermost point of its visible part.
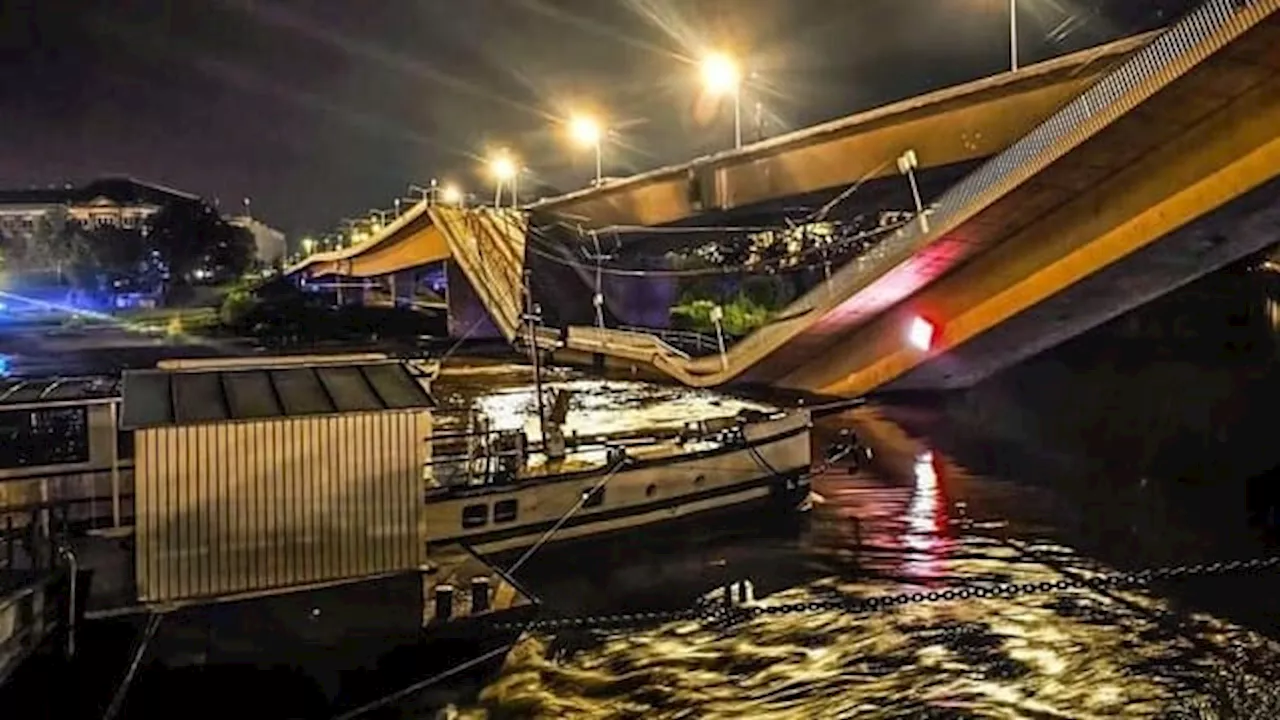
(52, 436)
(595, 497)
(474, 516)
(505, 510)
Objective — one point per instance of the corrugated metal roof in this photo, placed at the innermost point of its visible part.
(18, 391)
(156, 398)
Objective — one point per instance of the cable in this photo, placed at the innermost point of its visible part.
(717, 271)
(565, 518)
(886, 602)
(848, 192)
(424, 684)
(462, 339)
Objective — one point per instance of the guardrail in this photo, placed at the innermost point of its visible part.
(690, 341)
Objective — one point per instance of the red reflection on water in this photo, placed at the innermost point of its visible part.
(927, 520)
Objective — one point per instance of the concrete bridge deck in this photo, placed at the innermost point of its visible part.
(1182, 129)
(1178, 140)
(967, 122)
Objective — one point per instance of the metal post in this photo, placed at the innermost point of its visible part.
(599, 162)
(1013, 34)
(907, 166)
(515, 189)
(115, 466)
(737, 117)
(497, 195)
(70, 556)
(533, 348)
(717, 315)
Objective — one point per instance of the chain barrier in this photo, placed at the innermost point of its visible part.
(727, 611)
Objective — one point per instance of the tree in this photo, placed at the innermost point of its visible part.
(233, 254)
(61, 245)
(185, 233)
(118, 251)
(12, 252)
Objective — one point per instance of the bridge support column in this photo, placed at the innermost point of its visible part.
(403, 286)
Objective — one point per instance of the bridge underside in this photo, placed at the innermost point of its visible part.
(1242, 228)
(1144, 164)
(1192, 149)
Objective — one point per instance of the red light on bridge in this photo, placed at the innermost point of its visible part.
(920, 333)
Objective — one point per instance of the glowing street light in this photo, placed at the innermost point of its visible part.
(308, 245)
(720, 76)
(451, 194)
(504, 170)
(588, 132)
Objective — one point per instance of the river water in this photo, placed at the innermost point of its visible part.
(917, 519)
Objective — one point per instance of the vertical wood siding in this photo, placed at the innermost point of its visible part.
(227, 508)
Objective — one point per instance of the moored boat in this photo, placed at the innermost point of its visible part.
(505, 495)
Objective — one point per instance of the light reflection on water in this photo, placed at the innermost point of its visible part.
(596, 406)
(1077, 654)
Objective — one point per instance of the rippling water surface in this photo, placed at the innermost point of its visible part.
(915, 521)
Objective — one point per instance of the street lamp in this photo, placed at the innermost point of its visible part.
(451, 194)
(308, 245)
(721, 75)
(505, 170)
(587, 132)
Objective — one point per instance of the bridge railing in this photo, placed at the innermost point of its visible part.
(692, 342)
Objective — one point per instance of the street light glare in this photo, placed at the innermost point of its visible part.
(720, 74)
(450, 194)
(585, 131)
(503, 168)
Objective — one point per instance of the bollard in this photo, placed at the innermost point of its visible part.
(444, 602)
(479, 595)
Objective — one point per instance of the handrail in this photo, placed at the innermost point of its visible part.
(700, 341)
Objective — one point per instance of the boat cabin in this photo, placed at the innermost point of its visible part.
(254, 477)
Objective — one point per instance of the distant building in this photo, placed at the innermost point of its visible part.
(270, 243)
(110, 202)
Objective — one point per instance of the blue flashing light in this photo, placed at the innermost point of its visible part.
(4, 366)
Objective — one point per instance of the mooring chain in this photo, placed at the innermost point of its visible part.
(721, 611)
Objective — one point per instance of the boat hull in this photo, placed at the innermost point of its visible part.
(767, 469)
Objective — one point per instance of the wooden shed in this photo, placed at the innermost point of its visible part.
(287, 473)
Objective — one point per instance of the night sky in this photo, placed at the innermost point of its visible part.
(323, 109)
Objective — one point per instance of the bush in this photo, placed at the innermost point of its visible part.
(742, 316)
(236, 308)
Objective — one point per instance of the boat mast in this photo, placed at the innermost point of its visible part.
(530, 315)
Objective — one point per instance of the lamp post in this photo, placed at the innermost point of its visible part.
(721, 75)
(505, 170)
(587, 132)
(1013, 34)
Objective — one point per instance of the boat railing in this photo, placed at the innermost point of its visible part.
(478, 455)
